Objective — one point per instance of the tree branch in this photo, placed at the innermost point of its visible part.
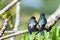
(9, 32)
(14, 34)
(8, 6)
(4, 27)
(51, 21)
(17, 20)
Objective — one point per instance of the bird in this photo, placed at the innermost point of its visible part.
(32, 24)
(41, 23)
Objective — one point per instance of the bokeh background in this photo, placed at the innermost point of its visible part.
(29, 8)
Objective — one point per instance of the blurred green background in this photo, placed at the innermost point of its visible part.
(29, 8)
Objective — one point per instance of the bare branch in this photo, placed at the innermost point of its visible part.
(8, 6)
(9, 32)
(4, 27)
(14, 34)
(51, 21)
(17, 20)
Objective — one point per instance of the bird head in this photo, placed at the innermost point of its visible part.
(33, 17)
(42, 14)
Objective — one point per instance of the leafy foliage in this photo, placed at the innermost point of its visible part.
(54, 34)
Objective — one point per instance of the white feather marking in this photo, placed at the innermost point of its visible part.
(32, 24)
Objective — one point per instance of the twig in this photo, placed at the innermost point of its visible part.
(14, 34)
(4, 27)
(8, 6)
(9, 32)
(17, 20)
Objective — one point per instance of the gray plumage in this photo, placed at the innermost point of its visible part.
(32, 24)
(41, 22)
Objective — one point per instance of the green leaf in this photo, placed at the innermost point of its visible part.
(46, 35)
(26, 36)
(54, 37)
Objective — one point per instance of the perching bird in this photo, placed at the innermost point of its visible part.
(41, 23)
(32, 24)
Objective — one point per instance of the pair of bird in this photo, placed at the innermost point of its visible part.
(33, 23)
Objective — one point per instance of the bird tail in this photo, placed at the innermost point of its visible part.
(42, 32)
(37, 32)
(30, 33)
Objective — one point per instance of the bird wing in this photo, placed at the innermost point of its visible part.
(32, 24)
